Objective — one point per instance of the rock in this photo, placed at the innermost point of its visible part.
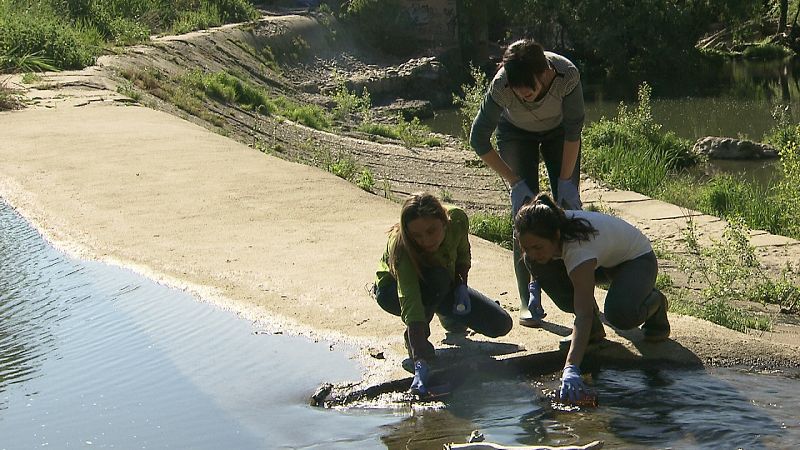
(729, 148)
(322, 392)
(408, 108)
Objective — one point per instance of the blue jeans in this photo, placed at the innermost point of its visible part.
(520, 149)
(486, 317)
(631, 285)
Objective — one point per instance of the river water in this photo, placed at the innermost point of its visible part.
(741, 105)
(96, 356)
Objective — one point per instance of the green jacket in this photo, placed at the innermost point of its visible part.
(454, 252)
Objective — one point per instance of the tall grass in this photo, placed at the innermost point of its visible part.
(631, 152)
(492, 227)
(69, 34)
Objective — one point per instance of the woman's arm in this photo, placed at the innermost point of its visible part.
(583, 284)
(480, 138)
(574, 115)
(496, 163)
(569, 159)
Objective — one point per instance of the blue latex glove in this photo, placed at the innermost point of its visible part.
(535, 300)
(421, 374)
(568, 197)
(461, 305)
(573, 388)
(520, 193)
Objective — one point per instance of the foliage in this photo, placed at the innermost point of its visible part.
(634, 131)
(470, 103)
(726, 196)
(766, 51)
(411, 133)
(784, 131)
(787, 189)
(69, 34)
(492, 227)
(630, 151)
(30, 78)
(728, 271)
(629, 41)
(350, 105)
(229, 88)
(346, 167)
(36, 39)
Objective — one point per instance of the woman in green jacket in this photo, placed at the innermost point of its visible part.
(424, 271)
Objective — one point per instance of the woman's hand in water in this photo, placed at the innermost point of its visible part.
(421, 374)
(573, 389)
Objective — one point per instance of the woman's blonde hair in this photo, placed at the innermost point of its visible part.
(417, 205)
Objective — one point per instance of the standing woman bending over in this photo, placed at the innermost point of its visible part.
(424, 272)
(535, 102)
(569, 252)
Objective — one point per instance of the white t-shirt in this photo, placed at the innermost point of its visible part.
(617, 241)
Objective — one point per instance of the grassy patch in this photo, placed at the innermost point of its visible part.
(412, 133)
(728, 271)
(346, 167)
(30, 78)
(492, 227)
(40, 35)
(9, 98)
(766, 51)
(229, 88)
(631, 152)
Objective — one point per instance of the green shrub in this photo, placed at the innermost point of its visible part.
(767, 51)
(350, 105)
(70, 34)
(469, 105)
(493, 228)
(32, 42)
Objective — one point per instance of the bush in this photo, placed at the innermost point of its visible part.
(493, 228)
(31, 41)
(70, 34)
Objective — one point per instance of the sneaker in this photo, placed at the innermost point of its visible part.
(656, 328)
(531, 322)
(452, 325)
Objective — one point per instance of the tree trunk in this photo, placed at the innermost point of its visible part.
(784, 13)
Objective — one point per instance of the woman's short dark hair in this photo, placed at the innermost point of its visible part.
(523, 60)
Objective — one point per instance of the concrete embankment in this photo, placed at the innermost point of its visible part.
(288, 245)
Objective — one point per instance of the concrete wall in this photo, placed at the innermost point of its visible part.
(436, 20)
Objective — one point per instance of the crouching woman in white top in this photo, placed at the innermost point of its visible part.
(569, 252)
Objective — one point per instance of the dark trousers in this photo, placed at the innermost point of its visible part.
(520, 149)
(631, 285)
(486, 317)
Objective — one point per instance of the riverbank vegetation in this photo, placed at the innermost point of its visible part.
(40, 35)
(631, 152)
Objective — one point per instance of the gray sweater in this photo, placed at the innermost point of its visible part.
(562, 105)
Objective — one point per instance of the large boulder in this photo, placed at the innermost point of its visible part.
(729, 148)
